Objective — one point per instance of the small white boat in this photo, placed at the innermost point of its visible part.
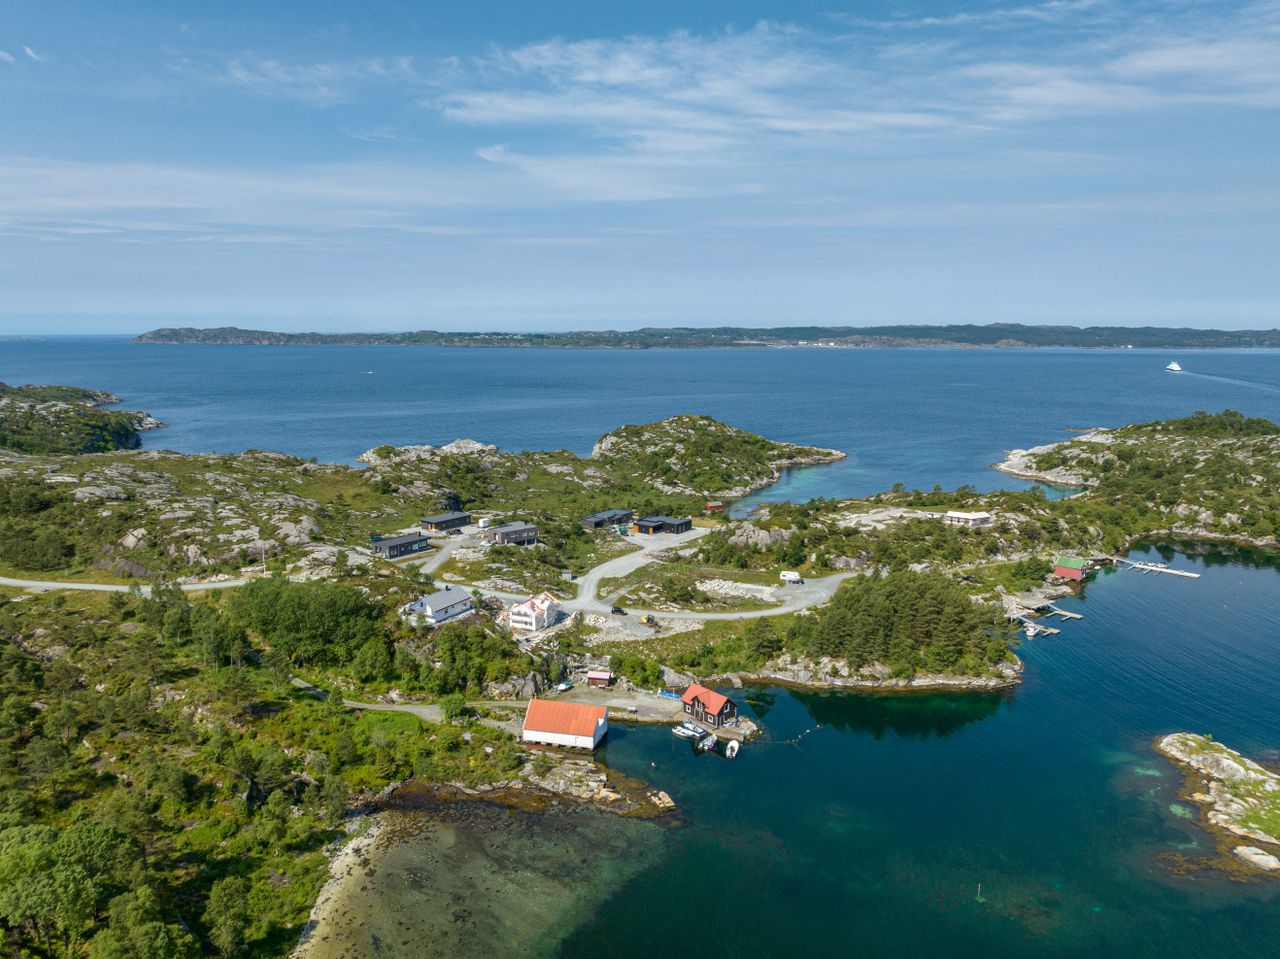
(688, 731)
(1173, 367)
(731, 749)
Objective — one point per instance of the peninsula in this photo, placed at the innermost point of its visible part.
(1003, 335)
(67, 419)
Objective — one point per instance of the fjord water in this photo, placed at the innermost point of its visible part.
(869, 834)
(918, 417)
(862, 825)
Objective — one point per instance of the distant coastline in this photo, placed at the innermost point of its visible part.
(970, 336)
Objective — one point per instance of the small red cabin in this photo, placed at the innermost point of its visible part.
(1068, 567)
(715, 507)
(708, 707)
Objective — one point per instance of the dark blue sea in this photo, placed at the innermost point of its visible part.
(861, 825)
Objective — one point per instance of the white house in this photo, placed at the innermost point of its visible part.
(972, 520)
(535, 613)
(557, 723)
(442, 605)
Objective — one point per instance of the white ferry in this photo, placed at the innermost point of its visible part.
(1173, 367)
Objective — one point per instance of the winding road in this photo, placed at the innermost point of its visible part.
(813, 592)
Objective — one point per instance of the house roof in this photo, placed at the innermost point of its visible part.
(712, 701)
(1070, 562)
(537, 604)
(446, 517)
(444, 597)
(399, 540)
(599, 674)
(555, 716)
(607, 514)
(512, 528)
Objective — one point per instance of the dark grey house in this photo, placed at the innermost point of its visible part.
(393, 547)
(446, 521)
(514, 534)
(662, 524)
(608, 517)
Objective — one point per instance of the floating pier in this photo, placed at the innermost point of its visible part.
(1055, 611)
(1155, 568)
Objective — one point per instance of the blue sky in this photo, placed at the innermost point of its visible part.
(532, 165)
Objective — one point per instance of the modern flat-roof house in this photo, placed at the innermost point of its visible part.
(446, 521)
(708, 707)
(535, 613)
(393, 547)
(649, 525)
(1070, 567)
(599, 678)
(556, 723)
(514, 534)
(442, 605)
(608, 517)
(972, 520)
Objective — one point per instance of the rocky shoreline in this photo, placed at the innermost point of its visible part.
(1235, 795)
(829, 673)
(1020, 463)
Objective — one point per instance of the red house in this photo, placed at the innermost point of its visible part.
(715, 507)
(707, 707)
(1068, 567)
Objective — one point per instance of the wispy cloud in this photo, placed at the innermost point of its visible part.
(32, 54)
(328, 82)
(6, 56)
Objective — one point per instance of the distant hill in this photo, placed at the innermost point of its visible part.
(1010, 335)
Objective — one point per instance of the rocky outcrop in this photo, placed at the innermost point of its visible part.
(1023, 463)
(827, 673)
(461, 447)
(1236, 795)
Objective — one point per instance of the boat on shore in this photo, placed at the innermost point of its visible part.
(1174, 367)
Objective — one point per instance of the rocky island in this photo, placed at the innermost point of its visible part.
(1238, 798)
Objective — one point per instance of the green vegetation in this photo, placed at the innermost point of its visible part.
(165, 791)
(163, 514)
(909, 622)
(65, 419)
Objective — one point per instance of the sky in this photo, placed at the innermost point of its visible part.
(530, 165)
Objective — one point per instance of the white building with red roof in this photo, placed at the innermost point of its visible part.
(709, 707)
(535, 613)
(555, 722)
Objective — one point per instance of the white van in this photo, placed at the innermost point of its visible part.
(788, 576)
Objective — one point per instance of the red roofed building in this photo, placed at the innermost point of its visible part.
(707, 707)
(557, 723)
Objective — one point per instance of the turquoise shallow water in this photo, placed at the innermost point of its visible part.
(870, 834)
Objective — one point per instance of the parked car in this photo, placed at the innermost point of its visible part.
(618, 611)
